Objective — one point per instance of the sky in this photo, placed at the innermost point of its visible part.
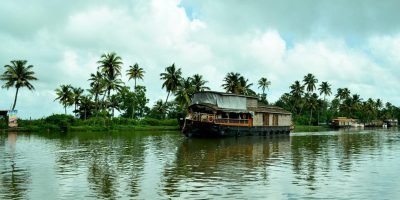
(353, 44)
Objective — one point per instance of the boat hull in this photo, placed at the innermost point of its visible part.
(205, 129)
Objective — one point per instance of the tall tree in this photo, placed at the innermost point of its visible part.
(244, 87)
(231, 83)
(171, 78)
(77, 97)
(184, 92)
(110, 65)
(310, 82)
(98, 86)
(199, 83)
(343, 93)
(325, 89)
(135, 72)
(264, 83)
(65, 96)
(297, 92)
(237, 84)
(18, 75)
(312, 102)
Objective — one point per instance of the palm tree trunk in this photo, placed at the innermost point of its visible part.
(15, 98)
(166, 100)
(135, 85)
(310, 118)
(65, 109)
(132, 112)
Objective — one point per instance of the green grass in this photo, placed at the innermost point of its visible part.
(122, 128)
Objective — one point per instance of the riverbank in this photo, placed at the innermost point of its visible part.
(306, 128)
(92, 128)
(68, 123)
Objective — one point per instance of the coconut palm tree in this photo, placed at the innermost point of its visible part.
(18, 75)
(309, 82)
(297, 92)
(231, 83)
(244, 87)
(184, 92)
(312, 101)
(237, 84)
(325, 89)
(379, 104)
(110, 65)
(77, 97)
(343, 93)
(264, 83)
(98, 86)
(135, 72)
(199, 83)
(171, 78)
(65, 96)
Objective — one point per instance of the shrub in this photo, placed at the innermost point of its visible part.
(150, 122)
(63, 122)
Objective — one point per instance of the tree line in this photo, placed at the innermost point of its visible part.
(107, 93)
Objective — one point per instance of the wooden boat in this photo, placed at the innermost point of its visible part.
(223, 114)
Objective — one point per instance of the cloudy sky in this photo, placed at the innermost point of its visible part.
(353, 44)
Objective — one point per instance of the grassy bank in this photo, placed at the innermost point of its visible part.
(67, 123)
(306, 128)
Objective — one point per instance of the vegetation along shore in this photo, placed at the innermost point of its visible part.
(94, 108)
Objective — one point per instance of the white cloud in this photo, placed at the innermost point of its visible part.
(255, 40)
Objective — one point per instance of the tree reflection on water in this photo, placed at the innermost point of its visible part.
(14, 178)
(314, 155)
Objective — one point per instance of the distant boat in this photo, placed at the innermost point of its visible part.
(223, 114)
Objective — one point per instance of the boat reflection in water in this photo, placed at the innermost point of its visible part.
(228, 160)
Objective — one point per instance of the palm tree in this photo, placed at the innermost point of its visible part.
(355, 103)
(325, 89)
(343, 93)
(244, 87)
(171, 78)
(77, 97)
(98, 86)
(110, 66)
(264, 83)
(310, 81)
(18, 75)
(135, 72)
(312, 101)
(379, 104)
(184, 92)
(297, 92)
(235, 83)
(231, 83)
(65, 96)
(199, 83)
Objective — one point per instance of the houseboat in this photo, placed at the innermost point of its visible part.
(224, 114)
(344, 122)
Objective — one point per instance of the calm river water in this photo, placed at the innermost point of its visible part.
(165, 165)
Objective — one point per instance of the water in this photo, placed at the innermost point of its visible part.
(138, 165)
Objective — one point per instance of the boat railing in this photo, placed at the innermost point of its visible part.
(231, 121)
(210, 118)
